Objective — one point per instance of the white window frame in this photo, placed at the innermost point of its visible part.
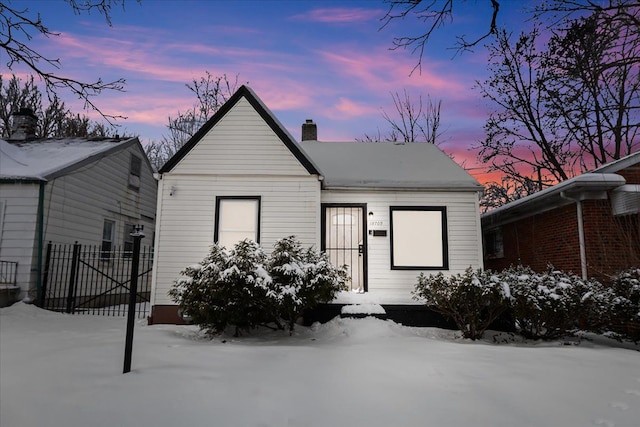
(418, 238)
(231, 230)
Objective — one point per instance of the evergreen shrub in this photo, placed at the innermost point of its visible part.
(246, 289)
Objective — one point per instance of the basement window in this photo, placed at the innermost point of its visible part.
(237, 218)
(419, 238)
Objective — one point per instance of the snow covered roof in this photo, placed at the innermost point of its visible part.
(579, 187)
(44, 159)
(597, 180)
(351, 164)
(387, 165)
(617, 165)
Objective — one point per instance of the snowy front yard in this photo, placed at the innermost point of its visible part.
(60, 370)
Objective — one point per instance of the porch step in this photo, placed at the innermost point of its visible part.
(359, 311)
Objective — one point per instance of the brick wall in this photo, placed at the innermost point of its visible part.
(631, 174)
(547, 238)
(612, 243)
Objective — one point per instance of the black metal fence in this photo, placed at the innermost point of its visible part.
(84, 279)
(8, 272)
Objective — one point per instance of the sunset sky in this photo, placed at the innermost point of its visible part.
(323, 60)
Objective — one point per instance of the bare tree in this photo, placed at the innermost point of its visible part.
(211, 93)
(413, 122)
(436, 14)
(507, 190)
(596, 87)
(18, 25)
(54, 118)
(568, 107)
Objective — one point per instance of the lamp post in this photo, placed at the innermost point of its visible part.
(137, 235)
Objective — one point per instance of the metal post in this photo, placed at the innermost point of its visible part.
(133, 291)
(45, 276)
(71, 291)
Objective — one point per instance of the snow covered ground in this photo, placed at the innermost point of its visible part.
(62, 370)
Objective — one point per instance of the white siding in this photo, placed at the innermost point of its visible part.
(185, 225)
(77, 204)
(19, 226)
(240, 156)
(464, 238)
(241, 143)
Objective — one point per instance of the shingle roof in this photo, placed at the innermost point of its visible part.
(387, 165)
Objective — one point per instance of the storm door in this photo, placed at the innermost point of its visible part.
(344, 241)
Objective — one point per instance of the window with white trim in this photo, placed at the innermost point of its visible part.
(237, 218)
(419, 238)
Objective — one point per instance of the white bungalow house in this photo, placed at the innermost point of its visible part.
(65, 191)
(388, 211)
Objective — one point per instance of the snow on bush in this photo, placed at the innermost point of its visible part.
(547, 305)
(542, 305)
(247, 289)
(302, 279)
(473, 300)
(623, 298)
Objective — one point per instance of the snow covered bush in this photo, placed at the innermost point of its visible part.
(473, 300)
(546, 305)
(246, 289)
(302, 279)
(624, 305)
(225, 290)
(198, 291)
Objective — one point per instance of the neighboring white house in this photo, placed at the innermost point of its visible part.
(387, 210)
(68, 190)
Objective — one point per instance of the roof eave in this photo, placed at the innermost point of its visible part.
(582, 187)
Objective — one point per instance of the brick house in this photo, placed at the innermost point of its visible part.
(589, 225)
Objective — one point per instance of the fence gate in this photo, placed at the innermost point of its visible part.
(84, 279)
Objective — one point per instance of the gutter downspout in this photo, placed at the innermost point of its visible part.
(40, 241)
(583, 250)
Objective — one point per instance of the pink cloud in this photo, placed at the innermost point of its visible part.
(381, 70)
(346, 108)
(339, 15)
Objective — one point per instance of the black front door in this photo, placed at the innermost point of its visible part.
(344, 240)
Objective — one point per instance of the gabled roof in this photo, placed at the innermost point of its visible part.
(387, 165)
(46, 159)
(263, 111)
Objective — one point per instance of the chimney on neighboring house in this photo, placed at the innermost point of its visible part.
(309, 131)
(23, 125)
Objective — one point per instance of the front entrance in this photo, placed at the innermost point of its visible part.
(344, 240)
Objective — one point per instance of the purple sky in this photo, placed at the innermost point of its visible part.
(321, 60)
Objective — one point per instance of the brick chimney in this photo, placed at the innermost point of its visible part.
(309, 131)
(23, 125)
